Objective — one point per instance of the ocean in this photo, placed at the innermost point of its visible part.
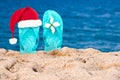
(87, 23)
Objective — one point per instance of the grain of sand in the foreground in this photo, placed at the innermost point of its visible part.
(64, 64)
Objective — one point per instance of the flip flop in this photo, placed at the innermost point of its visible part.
(52, 30)
(29, 40)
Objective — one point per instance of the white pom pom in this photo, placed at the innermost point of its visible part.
(13, 41)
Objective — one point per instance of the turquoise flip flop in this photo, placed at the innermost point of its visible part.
(52, 30)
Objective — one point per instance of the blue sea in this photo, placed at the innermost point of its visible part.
(87, 23)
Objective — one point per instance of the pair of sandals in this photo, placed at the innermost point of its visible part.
(52, 34)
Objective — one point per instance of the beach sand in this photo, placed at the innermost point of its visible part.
(64, 64)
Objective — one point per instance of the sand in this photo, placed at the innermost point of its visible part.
(64, 64)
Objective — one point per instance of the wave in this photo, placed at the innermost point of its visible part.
(106, 15)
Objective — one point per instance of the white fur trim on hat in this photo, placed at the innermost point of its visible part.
(12, 40)
(29, 23)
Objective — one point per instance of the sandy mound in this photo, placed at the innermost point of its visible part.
(64, 64)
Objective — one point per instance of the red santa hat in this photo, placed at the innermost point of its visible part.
(25, 17)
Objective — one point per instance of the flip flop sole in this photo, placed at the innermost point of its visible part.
(29, 39)
(52, 30)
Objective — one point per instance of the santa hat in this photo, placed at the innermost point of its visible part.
(25, 17)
